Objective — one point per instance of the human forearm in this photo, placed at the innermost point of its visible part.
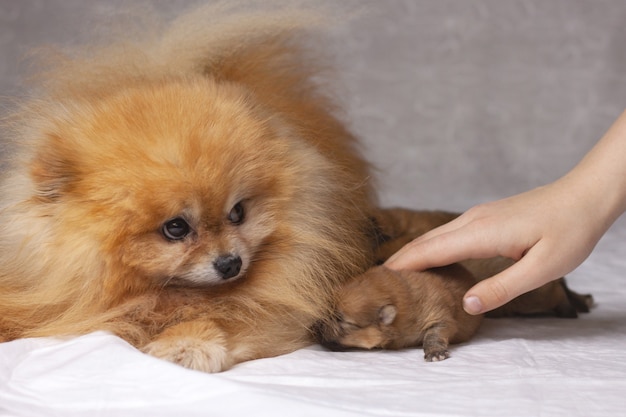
(601, 174)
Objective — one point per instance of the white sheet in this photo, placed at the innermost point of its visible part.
(513, 367)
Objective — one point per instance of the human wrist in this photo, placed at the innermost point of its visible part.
(601, 190)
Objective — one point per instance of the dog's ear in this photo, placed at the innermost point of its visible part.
(387, 314)
(52, 170)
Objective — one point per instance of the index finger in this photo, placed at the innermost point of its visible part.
(444, 248)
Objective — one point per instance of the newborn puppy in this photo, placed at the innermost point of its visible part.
(393, 310)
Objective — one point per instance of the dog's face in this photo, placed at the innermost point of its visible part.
(181, 183)
(364, 316)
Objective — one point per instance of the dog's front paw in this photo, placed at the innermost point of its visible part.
(194, 345)
(192, 353)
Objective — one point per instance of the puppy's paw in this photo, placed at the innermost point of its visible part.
(436, 355)
(199, 345)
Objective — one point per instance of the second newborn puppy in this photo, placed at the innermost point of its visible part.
(397, 309)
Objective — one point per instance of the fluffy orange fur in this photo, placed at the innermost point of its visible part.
(217, 125)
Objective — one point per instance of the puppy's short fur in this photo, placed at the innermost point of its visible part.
(190, 190)
(394, 310)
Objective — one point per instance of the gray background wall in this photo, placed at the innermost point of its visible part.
(457, 101)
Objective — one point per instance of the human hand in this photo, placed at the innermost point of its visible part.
(549, 231)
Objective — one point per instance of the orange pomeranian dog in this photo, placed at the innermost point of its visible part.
(192, 193)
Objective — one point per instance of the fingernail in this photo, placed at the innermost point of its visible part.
(472, 305)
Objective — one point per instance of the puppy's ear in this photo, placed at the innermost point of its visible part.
(387, 314)
(52, 170)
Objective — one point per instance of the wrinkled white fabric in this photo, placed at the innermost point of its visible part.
(513, 367)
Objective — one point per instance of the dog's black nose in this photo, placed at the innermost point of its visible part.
(227, 266)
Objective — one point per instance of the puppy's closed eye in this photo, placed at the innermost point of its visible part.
(348, 326)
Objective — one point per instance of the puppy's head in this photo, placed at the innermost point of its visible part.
(182, 182)
(366, 311)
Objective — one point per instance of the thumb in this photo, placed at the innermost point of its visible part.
(503, 287)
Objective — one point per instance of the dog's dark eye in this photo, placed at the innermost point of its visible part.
(236, 214)
(175, 229)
